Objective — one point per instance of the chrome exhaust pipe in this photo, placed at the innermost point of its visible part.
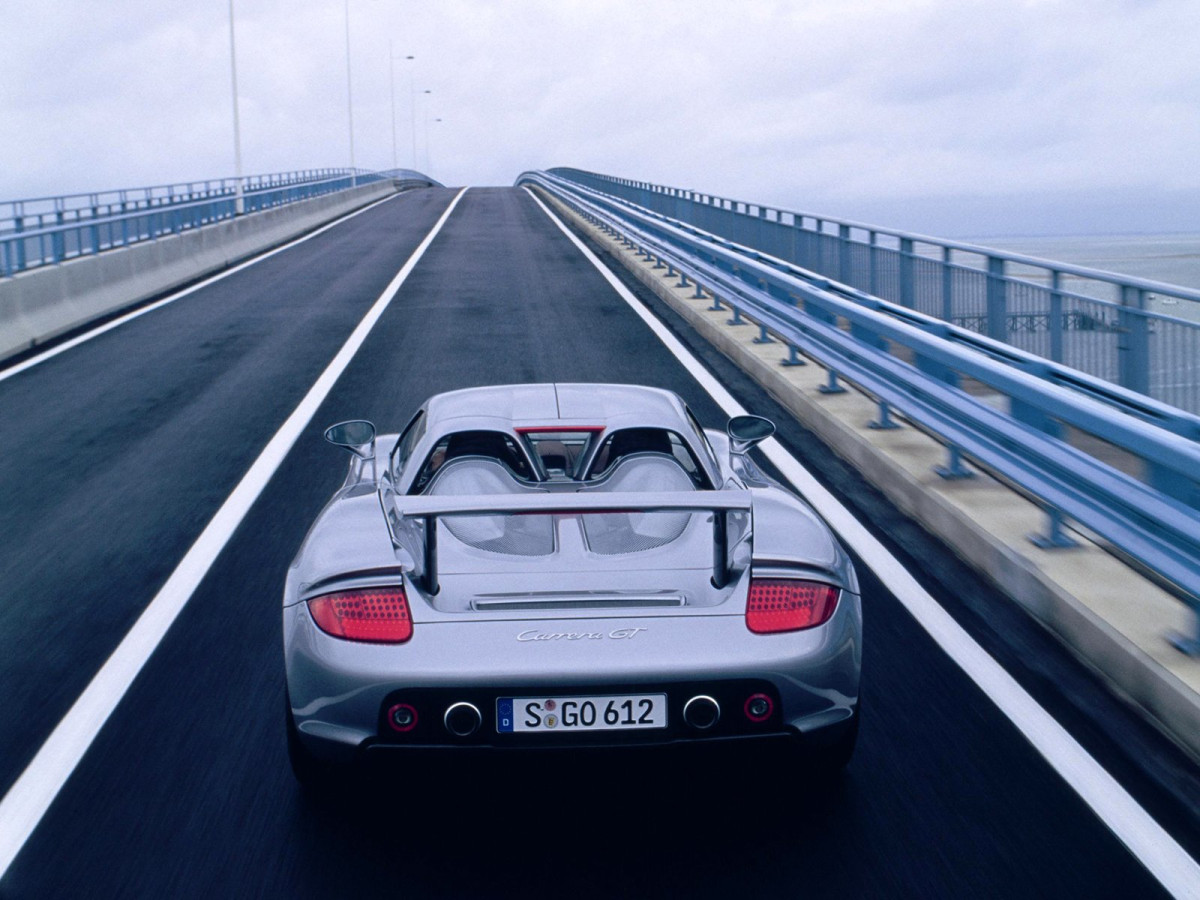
(702, 712)
(463, 719)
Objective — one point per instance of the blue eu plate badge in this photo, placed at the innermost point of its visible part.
(504, 714)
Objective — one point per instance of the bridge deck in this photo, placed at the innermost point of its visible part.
(128, 444)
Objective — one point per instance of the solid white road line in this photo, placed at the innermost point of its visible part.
(29, 798)
(142, 310)
(1162, 856)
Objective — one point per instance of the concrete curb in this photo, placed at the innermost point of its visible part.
(1165, 699)
(40, 304)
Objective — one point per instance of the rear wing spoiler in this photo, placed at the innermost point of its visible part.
(430, 509)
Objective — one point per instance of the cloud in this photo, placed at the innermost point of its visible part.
(859, 104)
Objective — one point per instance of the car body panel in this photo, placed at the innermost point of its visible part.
(669, 615)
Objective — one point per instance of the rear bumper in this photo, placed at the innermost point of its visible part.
(341, 692)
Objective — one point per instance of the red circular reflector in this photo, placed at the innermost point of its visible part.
(375, 615)
(788, 604)
(763, 700)
(407, 712)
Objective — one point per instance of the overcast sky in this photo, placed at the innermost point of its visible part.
(953, 117)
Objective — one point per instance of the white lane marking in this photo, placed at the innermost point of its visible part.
(142, 310)
(29, 798)
(1165, 859)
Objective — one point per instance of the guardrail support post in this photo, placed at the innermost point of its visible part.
(1055, 537)
(737, 316)
(831, 386)
(793, 357)
(1185, 644)
(884, 422)
(954, 469)
(763, 337)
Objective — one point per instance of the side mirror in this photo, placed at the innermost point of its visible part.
(746, 431)
(357, 436)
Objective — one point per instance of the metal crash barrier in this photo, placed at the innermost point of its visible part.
(44, 231)
(915, 364)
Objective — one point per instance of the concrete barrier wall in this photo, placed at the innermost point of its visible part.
(38, 305)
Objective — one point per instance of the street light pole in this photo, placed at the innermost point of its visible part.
(350, 99)
(412, 109)
(239, 203)
(392, 87)
(426, 110)
(428, 152)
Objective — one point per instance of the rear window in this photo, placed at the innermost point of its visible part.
(559, 452)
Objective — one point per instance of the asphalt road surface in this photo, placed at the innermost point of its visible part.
(115, 454)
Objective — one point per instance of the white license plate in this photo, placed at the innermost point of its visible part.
(561, 714)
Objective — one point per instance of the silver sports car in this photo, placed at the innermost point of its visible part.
(565, 565)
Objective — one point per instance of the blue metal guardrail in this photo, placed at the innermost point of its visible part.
(915, 363)
(48, 230)
(1143, 335)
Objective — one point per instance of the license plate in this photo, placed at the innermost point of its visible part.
(561, 714)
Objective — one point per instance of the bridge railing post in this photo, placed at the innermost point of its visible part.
(844, 253)
(1133, 342)
(18, 245)
(1057, 324)
(873, 264)
(907, 285)
(997, 299)
(947, 284)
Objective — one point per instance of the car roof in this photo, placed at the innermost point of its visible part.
(532, 405)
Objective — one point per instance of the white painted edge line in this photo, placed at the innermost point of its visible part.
(1162, 856)
(31, 795)
(150, 307)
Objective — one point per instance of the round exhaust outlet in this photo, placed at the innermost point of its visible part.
(702, 712)
(463, 719)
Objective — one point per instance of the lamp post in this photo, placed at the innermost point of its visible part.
(412, 110)
(426, 110)
(411, 101)
(392, 88)
(239, 203)
(428, 152)
(350, 99)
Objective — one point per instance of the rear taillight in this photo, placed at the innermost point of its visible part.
(377, 615)
(788, 604)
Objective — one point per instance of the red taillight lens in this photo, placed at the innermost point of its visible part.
(788, 604)
(378, 615)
